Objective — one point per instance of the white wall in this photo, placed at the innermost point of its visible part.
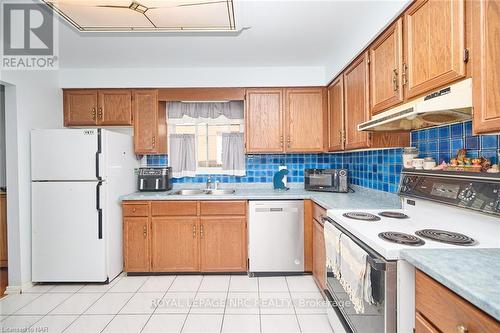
(191, 77)
(360, 33)
(33, 100)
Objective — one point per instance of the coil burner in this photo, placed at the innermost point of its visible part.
(447, 237)
(361, 216)
(401, 238)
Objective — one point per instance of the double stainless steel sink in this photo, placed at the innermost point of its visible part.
(207, 191)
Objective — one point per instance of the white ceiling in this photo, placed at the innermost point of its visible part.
(282, 33)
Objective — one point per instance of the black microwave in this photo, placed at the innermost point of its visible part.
(326, 180)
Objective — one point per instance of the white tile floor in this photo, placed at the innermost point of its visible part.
(184, 303)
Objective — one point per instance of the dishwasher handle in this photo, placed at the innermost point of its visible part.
(276, 210)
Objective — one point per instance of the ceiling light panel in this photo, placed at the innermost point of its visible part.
(147, 15)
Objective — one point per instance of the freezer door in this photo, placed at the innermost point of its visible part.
(65, 154)
(67, 235)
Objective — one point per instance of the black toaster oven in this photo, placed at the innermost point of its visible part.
(154, 179)
(326, 180)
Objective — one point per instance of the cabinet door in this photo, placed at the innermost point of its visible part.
(136, 247)
(336, 115)
(115, 107)
(386, 62)
(485, 65)
(145, 108)
(264, 120)
(80, 107)
(305, 119)
(434, 44)
(319, 256)
(3, 230)
(175, 244)
(356, 103)
(223, 244)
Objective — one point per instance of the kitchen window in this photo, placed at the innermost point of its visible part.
(206, 138)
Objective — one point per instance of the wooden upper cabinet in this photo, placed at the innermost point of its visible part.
(175, 244)
(115, 107)
(97, 107)
(145, 110)
(336, 115)
(80, 107)
(386, 62)
(485, 57)
(223, 244)
(136, 247)
(356, 103)
(434, 45)
(305, 119)
(264, 120)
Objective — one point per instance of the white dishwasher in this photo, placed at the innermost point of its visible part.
(276, 236)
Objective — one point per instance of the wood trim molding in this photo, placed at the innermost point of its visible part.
(201, 94)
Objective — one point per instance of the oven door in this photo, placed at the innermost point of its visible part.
(379, 317)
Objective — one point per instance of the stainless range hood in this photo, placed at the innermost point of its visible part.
(448, 105)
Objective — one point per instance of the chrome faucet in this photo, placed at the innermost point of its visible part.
(209, 183)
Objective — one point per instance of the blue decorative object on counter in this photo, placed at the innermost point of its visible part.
(278, 182)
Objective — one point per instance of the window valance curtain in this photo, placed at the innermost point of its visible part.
(212, 110)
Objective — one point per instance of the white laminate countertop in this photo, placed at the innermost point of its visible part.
(361, 198)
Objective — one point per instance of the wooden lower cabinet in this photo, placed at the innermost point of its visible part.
(439, 309)
(3, 230)
(423, 326)
(319, 255)
(185, 236)
(174, 243)
(136, 247)
(223, 244)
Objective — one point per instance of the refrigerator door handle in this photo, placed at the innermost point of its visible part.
(98, 152)
(99, 210)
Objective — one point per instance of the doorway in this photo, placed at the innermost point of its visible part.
(3, 198)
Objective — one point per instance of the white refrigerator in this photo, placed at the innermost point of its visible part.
(77, 178)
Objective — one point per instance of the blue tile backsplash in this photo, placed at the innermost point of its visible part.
(442, 143)
(377, 169)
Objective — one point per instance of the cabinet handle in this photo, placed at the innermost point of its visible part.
(93, 113)
(404, 75)
(153, 141)
(341, 135)
(201, 231)
(395, 79)
(145, 232)
(281, 141)
(99, 113)
(194, 230)
(288, 141)
(462, 329)
(134, 210)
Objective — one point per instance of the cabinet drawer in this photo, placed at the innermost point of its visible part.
(223, 207)
(174, 208)
(132, 209)
(446, 310)
(318, 212)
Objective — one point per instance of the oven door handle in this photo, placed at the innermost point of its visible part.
(375, 260)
